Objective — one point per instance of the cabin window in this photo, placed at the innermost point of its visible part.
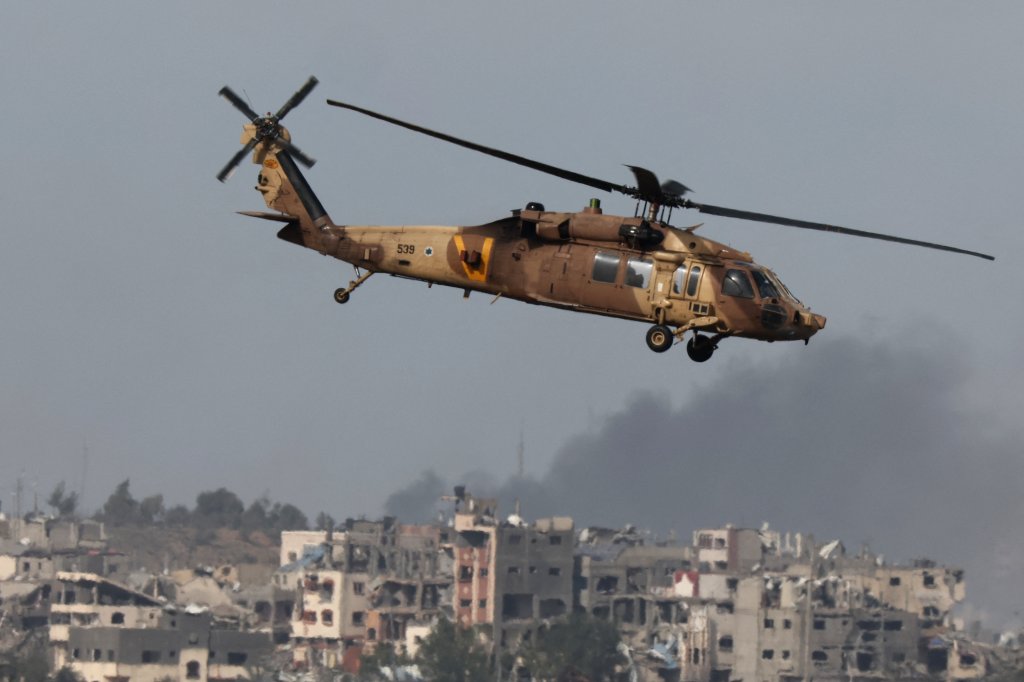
(606, 267)
(638, 272)
(693, 281)
(677, 280)
(737, 284)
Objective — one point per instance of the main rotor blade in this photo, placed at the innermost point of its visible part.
(297, 98)
(764, 218)
(229, 169)
(596, 183)
(294, 151)
(228, 94)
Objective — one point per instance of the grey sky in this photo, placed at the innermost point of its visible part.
(190, 349)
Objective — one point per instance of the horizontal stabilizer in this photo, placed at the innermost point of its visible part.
(277, 217)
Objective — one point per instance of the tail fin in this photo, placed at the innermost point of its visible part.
(280, 181)
(285, 189)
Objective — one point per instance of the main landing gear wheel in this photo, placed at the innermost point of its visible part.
(700, 348)
(341, 295)
(659, 338)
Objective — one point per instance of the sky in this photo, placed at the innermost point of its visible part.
(149, 332)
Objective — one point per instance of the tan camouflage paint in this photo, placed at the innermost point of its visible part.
(547, 258)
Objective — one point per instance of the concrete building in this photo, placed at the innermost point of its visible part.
(181, 646)
(362, 584)
(509, 575)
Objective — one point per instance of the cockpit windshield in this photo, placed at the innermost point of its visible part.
(782, 287)
(766, 283)
(765, 287)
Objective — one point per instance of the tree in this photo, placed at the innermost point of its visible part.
(219, 508)
(451, 653)
(324, 521)
(121, 508)
(178, 515)
(151, 509)
(63, 504)
(288, 517)
(383, 656)
(580, 648)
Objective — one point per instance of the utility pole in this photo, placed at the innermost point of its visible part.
(521, 450)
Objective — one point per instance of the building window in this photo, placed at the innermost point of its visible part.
(513, 570)
(117, 618)
(484, 572)
(465, 572)
(482, 604)
(894, 581)
(515, 539)
(358, 617)
(97, 654)
(533, 569)
(110, 654)
(928, 580)
(819, 655)
(150, 656)
(893, 625)
(358, 588)
(768, 654)
(465, 603)
(732, 583)
(192, 670)
(819, 624)
(769, 623)
(704, 541)
(554, 570)
(785, 654)
(787, 624)
(555, 539)
(309, 617)
(75, 654)
(725, 643)
(237, 657)
(327, 617)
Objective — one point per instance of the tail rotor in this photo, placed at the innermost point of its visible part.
(267, 128)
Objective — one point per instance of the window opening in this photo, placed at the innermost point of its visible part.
(638, 272)
(606, 267)
(737, 284)
(691, 284)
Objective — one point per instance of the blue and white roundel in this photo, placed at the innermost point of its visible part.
(429, 251)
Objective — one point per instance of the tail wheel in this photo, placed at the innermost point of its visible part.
(659, 338)
(700, 348)
(341, 295)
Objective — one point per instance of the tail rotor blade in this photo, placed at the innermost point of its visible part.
(229, 169)
(297, 98)
(295, 152)
(228, 94)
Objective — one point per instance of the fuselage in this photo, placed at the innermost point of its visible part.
(581, 261)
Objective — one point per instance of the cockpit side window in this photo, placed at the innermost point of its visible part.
(764, 285)
(736, 283)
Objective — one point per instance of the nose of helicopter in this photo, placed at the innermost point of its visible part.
(811, 323)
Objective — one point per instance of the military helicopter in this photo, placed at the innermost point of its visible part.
(635, 267)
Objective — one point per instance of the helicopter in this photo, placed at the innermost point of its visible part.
(635, 267)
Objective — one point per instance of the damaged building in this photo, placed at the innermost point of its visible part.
(509, 575)
(362, 584)
(744, 604)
